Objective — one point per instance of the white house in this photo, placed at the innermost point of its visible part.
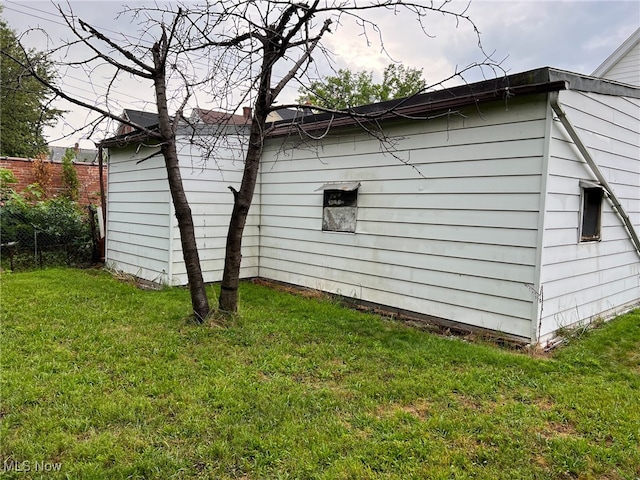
(515, 207)
(623, 65)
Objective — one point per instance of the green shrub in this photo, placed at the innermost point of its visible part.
(55, 225)
(7, 179)
(70, 176)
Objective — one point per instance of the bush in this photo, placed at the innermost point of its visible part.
(70, 176)
(7, 179)
(54, 230)
(41, 171)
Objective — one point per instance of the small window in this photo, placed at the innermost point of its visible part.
(339, 207)
(591, 213)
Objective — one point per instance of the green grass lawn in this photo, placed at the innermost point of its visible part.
(103, 380)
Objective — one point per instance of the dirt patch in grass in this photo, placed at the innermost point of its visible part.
(473, 405)
(552, 429)
(545, 404)
(632, 359)
(293, 289)
(420, 409)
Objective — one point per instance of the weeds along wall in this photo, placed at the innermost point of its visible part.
(88, 176)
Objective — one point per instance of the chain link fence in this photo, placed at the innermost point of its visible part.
(52, 233)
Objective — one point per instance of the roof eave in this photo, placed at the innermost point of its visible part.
(541, 80)
(124, 140)
(423, 110)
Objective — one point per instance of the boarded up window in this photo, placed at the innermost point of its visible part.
(591, 214)
(339, 204)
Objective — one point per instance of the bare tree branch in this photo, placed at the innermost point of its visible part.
(228, 52)
(58, 92)
(305, 57)
(108, 58)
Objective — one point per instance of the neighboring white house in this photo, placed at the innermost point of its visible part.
(496, 213)
(623, 65)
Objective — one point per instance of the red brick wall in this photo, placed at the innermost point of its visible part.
(88, 176)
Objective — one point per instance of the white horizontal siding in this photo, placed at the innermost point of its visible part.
(389, 243)
(584, 280)
(143, 237)
(491, 202)
(454, 237)
(206, 182)
(627, 69)
(433, 272)
(212, 263)
(138, 223)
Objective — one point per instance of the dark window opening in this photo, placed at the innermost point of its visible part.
(591, 214)
(340, 198)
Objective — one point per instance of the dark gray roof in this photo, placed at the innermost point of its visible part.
(508, 86)
(292, 113)
(213, 123)
(214, 117)
(144, 119)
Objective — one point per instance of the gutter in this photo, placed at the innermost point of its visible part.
(554, 98)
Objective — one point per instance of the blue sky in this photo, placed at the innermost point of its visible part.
(572, 35)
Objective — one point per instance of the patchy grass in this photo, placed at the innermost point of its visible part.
(104, 380)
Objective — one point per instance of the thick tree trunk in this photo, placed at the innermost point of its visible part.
(197, 289)
(241, 204)
(199, 299)
(228, 302)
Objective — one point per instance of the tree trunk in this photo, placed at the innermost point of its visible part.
(199, 299)
(242, 198)
(241, 204)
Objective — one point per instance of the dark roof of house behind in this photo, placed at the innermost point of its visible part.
(500, 88)
(292, 113)
(83, 155)
(213, 117)
(149, 120)
(144, 119)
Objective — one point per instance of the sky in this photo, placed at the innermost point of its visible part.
(519, 35)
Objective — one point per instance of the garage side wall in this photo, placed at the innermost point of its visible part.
(143, 238)
(446, 219)
(138, 214)
(583, 280)
(206, 181)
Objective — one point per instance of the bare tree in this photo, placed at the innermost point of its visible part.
(284, 34)
(248, 51)
(148, 62)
